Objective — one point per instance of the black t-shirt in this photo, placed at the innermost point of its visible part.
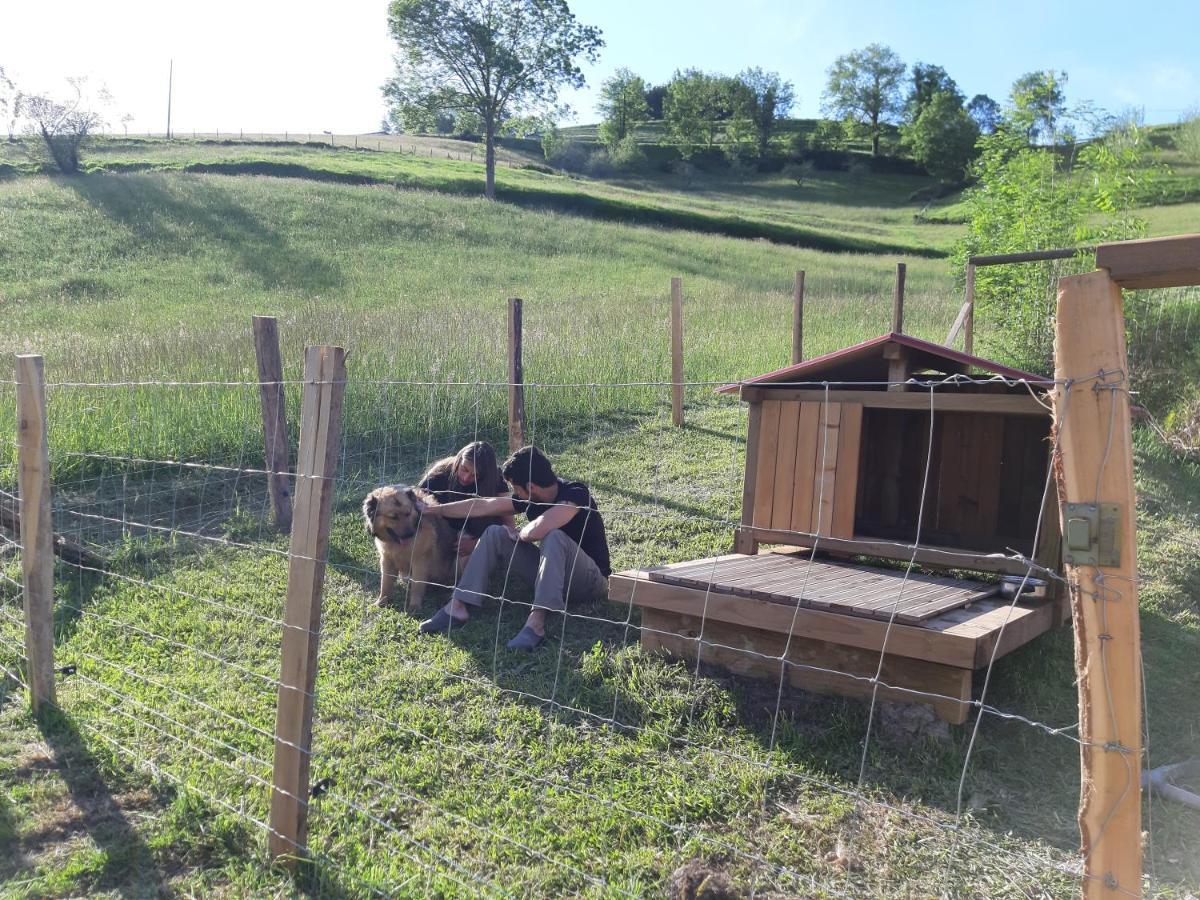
(446, 489)
(586, 527)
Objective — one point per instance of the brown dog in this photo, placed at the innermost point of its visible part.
(420, 549)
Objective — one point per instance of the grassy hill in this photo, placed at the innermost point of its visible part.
(447, 776)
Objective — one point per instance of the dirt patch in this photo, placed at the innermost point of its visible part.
(698, 880)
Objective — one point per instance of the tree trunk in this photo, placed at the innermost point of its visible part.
(875, 137)
(489, 190)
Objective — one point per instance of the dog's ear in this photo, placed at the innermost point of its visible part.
(415, 499)
(370, 507)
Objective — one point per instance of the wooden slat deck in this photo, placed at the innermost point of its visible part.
(793, 579)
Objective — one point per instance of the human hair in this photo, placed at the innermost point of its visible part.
(529, 466)
(488, 481)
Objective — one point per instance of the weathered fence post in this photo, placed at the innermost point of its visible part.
(274, 413)
(1095, 466)
(969, 301)
(516, 378)
(37, 548)
(798, 318)
(677, 351)
(898, 300)
(320, 436)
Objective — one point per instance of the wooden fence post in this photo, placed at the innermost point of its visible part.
(898, 300)
(37, 548)
(516, 378)
(798, 318)
(320, 437)
(274, 413)
(1095, 471)
(969, 324)
(677, 351)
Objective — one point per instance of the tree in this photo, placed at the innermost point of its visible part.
(64, 124)
(1187, 138)
(623, 105)
(10, 103)
(943, 137)
(760, 100)
(695, 104)
(928, 80)
(986, 113)
(655, 94)
(864, 87)
(1038, 102)
(490, 58)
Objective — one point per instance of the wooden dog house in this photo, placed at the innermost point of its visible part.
(843, 458)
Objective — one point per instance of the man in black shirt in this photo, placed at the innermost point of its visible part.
(572, 562)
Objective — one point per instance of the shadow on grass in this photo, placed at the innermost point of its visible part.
(127, 859)
(181, 213)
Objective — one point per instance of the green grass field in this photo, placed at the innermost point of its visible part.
(450, 774)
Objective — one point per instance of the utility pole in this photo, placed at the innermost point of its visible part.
(170, 85)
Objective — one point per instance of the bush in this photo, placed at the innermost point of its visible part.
(1187, 139)
(598, 165)
(571, 156)
(627, 154)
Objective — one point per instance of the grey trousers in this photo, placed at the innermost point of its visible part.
(559, 570)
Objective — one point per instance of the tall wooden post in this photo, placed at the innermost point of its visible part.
(798, 318)
(37, 548)
(275, 433)
(516, 378)
(969, 323)
(677, 351)
(320, 437)
(898, 300)
(1095, 471)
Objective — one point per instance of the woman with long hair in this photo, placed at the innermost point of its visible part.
(471, 472)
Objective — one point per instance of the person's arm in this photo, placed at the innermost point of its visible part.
(555, 517)
(461, 509)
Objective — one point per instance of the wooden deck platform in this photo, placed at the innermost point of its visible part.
(838, 621)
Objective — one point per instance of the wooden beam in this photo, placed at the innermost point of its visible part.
(798, 318)
(859, 545)
(943, 401)
(275, 433)
(1095, 465)
(320, 441)
(969, 327)
(743, 541)
(37, 553)
(516, 377)
(898, 300)
(1152, 263)
(1003, 259)
(677, 351)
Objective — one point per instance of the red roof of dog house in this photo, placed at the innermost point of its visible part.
(865, 363)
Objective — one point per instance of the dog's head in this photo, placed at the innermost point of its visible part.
(393, 513)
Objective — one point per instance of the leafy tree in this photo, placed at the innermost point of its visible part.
(694, 107)
(10, 103)
(943, 137)
(491, 58)
(1024, 200)
(1038, 103)
(759, 100)
(623, 105)
(864, 87)
(64, 124)
(986, 113)
(1187, 138)
(655, 94)
(928, 80)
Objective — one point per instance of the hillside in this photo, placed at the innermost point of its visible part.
(450, 768)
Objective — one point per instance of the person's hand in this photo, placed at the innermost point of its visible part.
(466, 545)
(431, 509)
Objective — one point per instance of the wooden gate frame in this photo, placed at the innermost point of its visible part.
(1093, 465)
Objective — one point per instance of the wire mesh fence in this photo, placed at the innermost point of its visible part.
(600, 765)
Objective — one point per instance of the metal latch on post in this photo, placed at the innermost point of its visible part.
(1092, 534)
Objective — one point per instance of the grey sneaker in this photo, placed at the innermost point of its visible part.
(441, 621)
(526, 639)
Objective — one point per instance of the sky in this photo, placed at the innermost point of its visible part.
(301, 66)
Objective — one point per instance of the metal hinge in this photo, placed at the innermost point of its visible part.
(1092, 535)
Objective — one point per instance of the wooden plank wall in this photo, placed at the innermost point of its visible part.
(805, 467)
